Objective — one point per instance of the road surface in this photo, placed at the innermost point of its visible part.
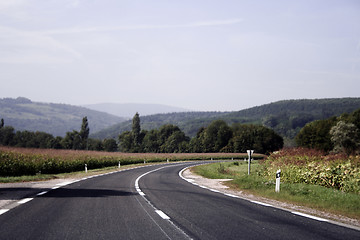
(154, 202)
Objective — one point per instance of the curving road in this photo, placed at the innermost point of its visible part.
(153, 202)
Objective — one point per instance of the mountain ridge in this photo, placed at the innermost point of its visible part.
(54, 118)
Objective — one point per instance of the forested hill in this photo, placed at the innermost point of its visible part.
(285, 117)
(56, 119)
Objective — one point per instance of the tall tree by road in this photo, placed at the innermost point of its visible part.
(84, 133)
(136, 129)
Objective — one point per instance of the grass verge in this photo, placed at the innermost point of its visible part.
(312, 196)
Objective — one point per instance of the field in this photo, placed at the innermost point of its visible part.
(329, 183)
(36, 162)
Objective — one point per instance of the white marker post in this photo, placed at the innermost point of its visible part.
(85, 167)
(249, 152)
(119, 165)
(277, 185)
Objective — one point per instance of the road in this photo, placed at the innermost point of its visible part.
(153, 202)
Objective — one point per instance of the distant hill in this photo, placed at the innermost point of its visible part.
(128, 110)
(285, 117)
(56, 119)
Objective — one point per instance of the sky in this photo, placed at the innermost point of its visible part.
(203, 55)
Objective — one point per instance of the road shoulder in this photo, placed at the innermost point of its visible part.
(218, 184)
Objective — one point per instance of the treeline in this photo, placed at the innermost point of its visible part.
(284, 117)
(76, 140)
(217, 137)
(336, 134)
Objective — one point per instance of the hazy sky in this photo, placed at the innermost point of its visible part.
(197, 54)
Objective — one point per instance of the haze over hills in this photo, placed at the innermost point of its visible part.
(56, 119)
(128, 110)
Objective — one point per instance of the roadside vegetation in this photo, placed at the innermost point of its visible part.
(308, 177)
(36, 162)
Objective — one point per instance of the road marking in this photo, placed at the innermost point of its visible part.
(261, 203)
(42, 193)
(25, 200)
(162, 214)
(214, 190)
(137, 180)
(2, 211)
(63, 183)
(231, 195)
(310, 216)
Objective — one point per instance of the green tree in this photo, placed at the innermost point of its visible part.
(7, 136)
(345, 137)
(256, 137)
(95, 144)
(216, 136)
(136, 129)
(110, 145)
(316, 135)
(150, 142)
(84, 133)
(176, 142)
(72, 140)
(126, 142)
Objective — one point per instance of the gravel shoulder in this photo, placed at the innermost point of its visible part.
(218, 184)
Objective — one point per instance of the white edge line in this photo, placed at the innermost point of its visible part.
(310, 216)
(162, 214)
(256, 202)
(42, 193)
(231, 195)
(25, 200)
(2, 211)
(261, 203)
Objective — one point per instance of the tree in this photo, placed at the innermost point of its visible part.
(256, 137)
(72, 140)
(150, 142)
(109, 145)
(84, 133)
(316, 135)
(126, 142)
(216, 136)
(345, 137)
(7, 135)
(136, 129)
(174, 143)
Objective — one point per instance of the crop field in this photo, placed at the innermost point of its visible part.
(24, 161)
(299, 165)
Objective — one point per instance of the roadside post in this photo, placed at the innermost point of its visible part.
(277, 184)
(250, 153)
(85, 167)
(119, 165)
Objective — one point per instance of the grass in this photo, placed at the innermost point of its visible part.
(308, 195)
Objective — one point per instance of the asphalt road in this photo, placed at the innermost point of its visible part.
(154, 203)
